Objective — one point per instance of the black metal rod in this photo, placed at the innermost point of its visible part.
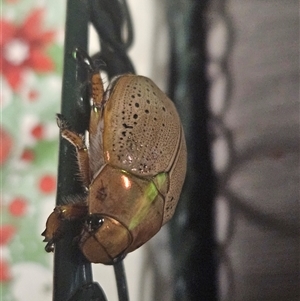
(192, 233)
(71, 270)
(121, 281)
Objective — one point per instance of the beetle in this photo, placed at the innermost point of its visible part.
(133, 168)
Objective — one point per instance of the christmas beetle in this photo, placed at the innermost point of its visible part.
(133, 168)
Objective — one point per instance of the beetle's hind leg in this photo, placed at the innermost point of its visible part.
(81, 149)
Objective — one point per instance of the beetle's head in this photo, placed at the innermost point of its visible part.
(104, 239)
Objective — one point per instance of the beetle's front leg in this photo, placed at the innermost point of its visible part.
(97, 91)
(98, 102)
(81, 149)
(57, 220)
(95, 126)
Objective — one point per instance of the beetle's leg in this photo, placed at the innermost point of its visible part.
(57, 220)
(97, 103)
(97, 91)
(95, 126)
(81, 149)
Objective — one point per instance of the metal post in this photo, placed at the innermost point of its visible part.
(71, 270)
(192, 225)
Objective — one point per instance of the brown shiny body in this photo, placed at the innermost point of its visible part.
(133, 170)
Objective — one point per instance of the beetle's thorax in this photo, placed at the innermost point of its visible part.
(106, 241)
(134, 202)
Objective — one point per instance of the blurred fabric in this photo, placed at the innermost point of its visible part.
(256, 150)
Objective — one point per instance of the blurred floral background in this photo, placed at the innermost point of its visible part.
(31, 56)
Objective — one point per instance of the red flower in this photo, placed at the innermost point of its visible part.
(6, 233)
(4, 271)
(38, 131)
(23, 47)
(47, 184)
(18, 206)
(6, 144)
(28, 155)
(33, 95)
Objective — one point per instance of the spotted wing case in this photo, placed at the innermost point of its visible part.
(145, 136)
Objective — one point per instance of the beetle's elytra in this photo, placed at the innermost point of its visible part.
(133, 169)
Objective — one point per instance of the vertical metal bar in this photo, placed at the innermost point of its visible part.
(192, 226)
(71, 270)
(121, 281)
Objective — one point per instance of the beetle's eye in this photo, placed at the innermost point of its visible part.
(94, 222)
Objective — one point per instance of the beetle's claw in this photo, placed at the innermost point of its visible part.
(44, 234)
(80, 54)
(50, 243)
(46, 239)
(61, 122)
(50, 246)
